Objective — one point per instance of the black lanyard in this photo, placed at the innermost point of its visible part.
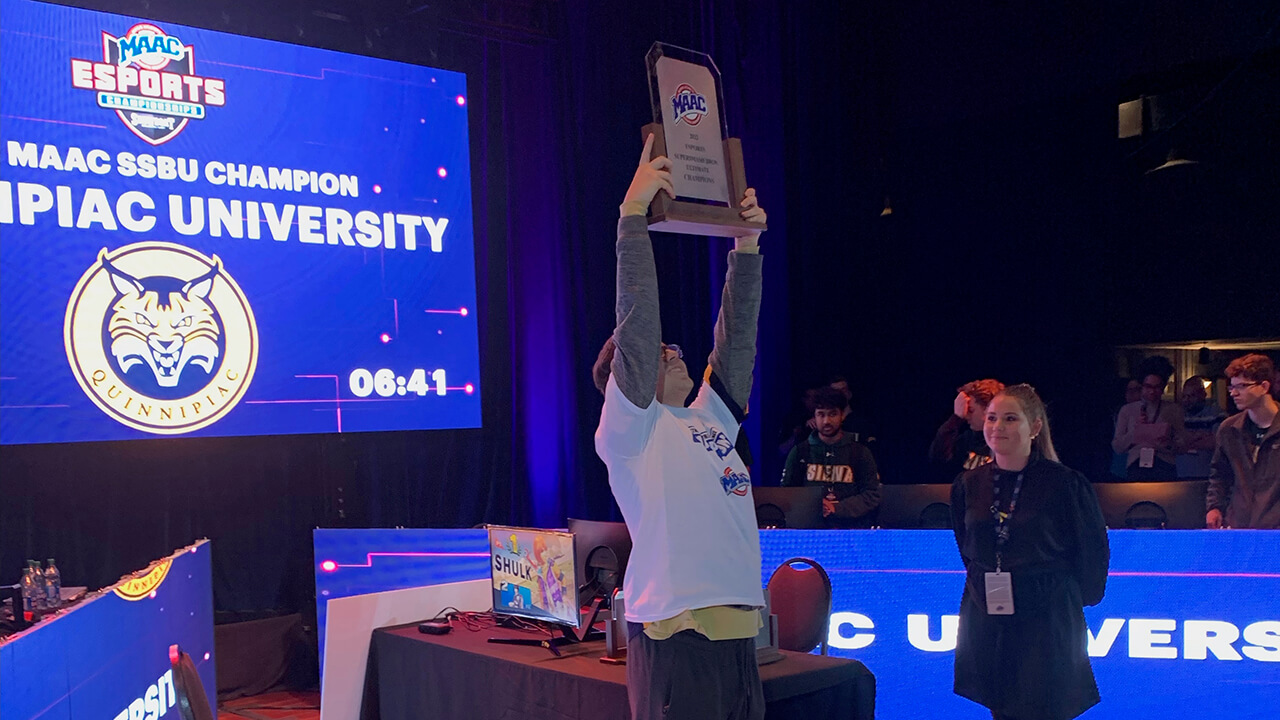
(1002, 518)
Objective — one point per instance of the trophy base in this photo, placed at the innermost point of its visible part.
(691, 218)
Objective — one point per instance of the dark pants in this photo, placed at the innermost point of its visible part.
(688, 677)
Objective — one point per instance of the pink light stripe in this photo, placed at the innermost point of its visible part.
(50, 37)
(321, 76)
(55, 122)
(900, 571)
(301, 402)
(370, 556)
(1115, 573)
(1125, 573)
(266, 70)
(337, 396)
(444, 312)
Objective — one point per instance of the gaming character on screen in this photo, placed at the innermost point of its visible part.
(692, 585)
(550, 579)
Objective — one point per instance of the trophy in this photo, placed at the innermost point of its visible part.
(689, 128)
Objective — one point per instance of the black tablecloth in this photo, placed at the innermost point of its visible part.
(461, 675)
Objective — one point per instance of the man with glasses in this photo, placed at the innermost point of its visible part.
(692, 587)
(1150, 431)
(1244, 477)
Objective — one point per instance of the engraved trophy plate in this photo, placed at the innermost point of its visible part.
(689, 127)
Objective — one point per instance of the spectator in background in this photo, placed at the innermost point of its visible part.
(1150, 430)
(959, 441)
(1244, 477)
(831, 458)
(1120, 460)
(1201, 418)
(1132, 391)
(852, 422)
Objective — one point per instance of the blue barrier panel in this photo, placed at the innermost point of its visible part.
(107, 658)
(358, 562)
(1163, 645)
(1191, 619)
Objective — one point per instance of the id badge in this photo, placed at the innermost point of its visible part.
(999, 593)
(1146, 457)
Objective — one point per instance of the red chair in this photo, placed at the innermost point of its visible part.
(800, 595)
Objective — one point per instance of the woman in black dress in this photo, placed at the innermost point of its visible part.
(1026, 520)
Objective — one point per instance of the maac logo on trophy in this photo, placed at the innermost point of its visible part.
(688, 105)
(161, 338)
(149, 79)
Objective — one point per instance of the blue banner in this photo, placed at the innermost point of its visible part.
(1190, 619)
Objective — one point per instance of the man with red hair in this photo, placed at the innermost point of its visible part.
(959, 441)
(1244, 476)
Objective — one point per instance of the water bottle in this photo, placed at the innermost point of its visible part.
(28, 594)
(53, 583)
(41, 597)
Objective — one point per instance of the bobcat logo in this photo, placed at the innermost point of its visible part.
(164, 323)
(161, 338)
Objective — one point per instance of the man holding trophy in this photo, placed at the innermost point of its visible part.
(692, 585)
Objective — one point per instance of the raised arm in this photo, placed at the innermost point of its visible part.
(638, 332)
(943, 447)
(734, 355)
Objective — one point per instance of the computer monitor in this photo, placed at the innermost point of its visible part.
(602, 550)
(794, 508)
(923, 506)
(532, 574)
(1141, 504)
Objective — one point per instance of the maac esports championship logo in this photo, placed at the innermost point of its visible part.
(161, 338)
(688, 105)
(149, 79)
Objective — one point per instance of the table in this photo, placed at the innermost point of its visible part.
(461, 675)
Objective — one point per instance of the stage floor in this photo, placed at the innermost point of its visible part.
(275, 705)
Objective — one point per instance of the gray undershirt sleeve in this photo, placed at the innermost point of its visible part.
(638, 333)
(734, 355)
